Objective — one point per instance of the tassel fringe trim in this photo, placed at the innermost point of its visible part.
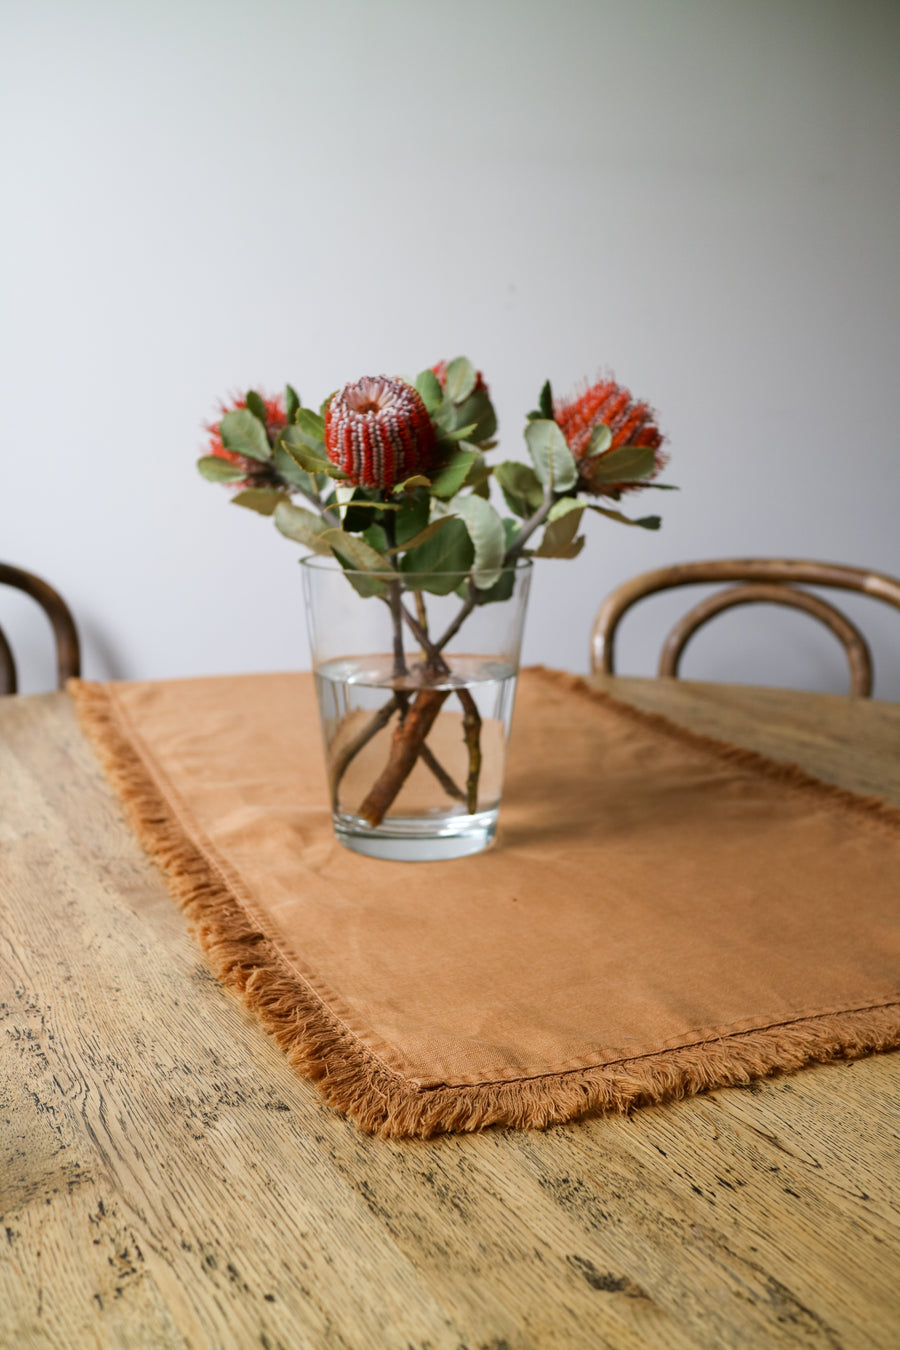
(352, 1080)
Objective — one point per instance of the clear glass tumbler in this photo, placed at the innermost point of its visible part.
(416, 676)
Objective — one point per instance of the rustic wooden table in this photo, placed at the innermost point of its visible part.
(166, 1180)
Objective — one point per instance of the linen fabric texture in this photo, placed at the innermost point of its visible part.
(661, 913)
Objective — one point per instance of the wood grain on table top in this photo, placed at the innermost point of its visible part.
(167, 1181)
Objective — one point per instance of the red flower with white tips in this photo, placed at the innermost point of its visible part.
(378, 431)
(630, 422)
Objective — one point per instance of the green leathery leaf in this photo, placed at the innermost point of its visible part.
(359, 554)
(574, 548)
(520, 486)
(512, 529)
(423, 536)
(375, 536)
(414, 481)
(443, 557)
(310, 422)
(263, 500)
(309, 457)
(488, 538)
(479, 477)
(448, 480)
(563, 507)
(552, 458)
(545, 401)
(359, 509)
(627, 464)
(291, 403)
(559, 540)
(256, 405)
(365, 584)
(478, 411)
(356, 517)
(244, 434)
(412, 518)
(217, 470)
(461, 379)
(600, 441)
(643, 522)
(362, 563)
(303, 526)
(429, 389)
(501, 590)
(459, 433)
(290, 470)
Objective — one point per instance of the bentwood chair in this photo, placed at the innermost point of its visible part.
(68, 655)
(765, 580)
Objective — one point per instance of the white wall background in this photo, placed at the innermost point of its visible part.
(701, 195)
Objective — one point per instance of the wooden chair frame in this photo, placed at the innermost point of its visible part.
(68, 651)
(766, 580)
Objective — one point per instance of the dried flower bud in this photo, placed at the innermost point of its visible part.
(630, 422)
(378, 431)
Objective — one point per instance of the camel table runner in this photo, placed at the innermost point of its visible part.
(660, 914)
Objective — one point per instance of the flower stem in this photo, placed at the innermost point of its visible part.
(408, 739)
(416, 722)
(528, 528)
(422, 616)
(472, 737)
(339, 767)
(430, 760)
(333, 521)
(471, 715)
(395, 600)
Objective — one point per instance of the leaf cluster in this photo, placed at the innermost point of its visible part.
(431, 528)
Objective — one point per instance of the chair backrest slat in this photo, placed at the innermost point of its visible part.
(768, 580)
(9, 681)
(68, 651)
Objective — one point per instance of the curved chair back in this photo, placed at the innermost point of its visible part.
(766, 580)
(68, 654)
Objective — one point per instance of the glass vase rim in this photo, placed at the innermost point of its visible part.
(318, 562)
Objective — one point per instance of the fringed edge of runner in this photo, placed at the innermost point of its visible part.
(352, 1080)
(778, 771)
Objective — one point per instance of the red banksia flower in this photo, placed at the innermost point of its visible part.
(378, 431)
(258, 474)
(276, 421)
(629, 421)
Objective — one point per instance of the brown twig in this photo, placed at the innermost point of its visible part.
(428, 757)
(433, 763)
(406, 746)
(422, 616)
(395, 601)
(409, 737)
(376, 723)
(339, 767)
(472, 737)
(471, 715)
